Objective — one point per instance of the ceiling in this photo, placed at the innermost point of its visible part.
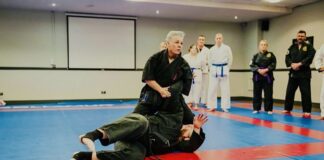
(204, 10)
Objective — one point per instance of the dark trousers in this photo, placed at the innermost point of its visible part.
(267, 87)
(124, 150)
(128, 132)
(305, 89)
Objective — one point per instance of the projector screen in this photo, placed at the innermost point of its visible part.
(101, 42)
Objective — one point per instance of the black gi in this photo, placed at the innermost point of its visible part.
(165, 74)
(260, 82)
(178, 76)
(155, 125)
(300, 78)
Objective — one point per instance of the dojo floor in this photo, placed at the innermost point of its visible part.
(50, 132)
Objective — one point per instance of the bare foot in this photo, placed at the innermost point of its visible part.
(88, 142)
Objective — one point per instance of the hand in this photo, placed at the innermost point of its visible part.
(263, 72)
(295, 66)
(164, 92)
(2, 103)
(199, 120)
(321, 69)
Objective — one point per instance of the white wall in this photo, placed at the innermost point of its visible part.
(41, 38)
(38, 38)
(32, 39)
(59, 85)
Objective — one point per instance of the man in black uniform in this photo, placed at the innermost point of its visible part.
(263, 63)
(131, 135)
(299, 58)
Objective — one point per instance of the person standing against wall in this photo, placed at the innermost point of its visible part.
(262, 65)
(196, 62)
(163, 45)
(319, 65)
(299, 58)
(220, 61)
(204, 51)
(2, 103)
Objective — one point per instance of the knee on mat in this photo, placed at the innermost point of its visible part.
(143, 122)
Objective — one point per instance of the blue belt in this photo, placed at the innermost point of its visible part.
(193, 79)
(222, 70)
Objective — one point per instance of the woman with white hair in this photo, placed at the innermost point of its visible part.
(162, 70)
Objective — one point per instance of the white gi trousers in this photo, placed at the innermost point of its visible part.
(204, 88)
(220, 81)
(194, 94)
(322, 98)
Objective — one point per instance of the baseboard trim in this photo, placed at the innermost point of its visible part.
(298, 103)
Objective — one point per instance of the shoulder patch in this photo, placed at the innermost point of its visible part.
(305, 48)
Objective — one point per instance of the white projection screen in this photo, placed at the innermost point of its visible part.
(101, 42)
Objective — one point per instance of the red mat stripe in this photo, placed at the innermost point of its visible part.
(273, 125)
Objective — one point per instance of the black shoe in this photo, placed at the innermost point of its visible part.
(82, 156)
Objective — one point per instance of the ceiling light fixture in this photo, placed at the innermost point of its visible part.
(235, 17)
(53, 4)
(273, 1)
(89, 5)
(157, 12)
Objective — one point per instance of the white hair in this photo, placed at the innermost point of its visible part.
(172, 34)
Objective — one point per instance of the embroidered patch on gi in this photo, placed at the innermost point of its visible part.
(268, 55)
(305, 48)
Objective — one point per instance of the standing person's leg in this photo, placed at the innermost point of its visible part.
(257, 96)
(305, 89)
(225, 91)
(268, 96)
(212, 93)
(190, 98)
(204, 88)
(196, 94)
(290, 94)
(322, 100)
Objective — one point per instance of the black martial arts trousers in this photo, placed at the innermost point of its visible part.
(128, 133)
(267, 87)
(305, 89)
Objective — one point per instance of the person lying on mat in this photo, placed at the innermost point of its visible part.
(135, 137)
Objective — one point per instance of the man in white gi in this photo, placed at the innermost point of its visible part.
(204, 51)
(220, 61)
(319, 65)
